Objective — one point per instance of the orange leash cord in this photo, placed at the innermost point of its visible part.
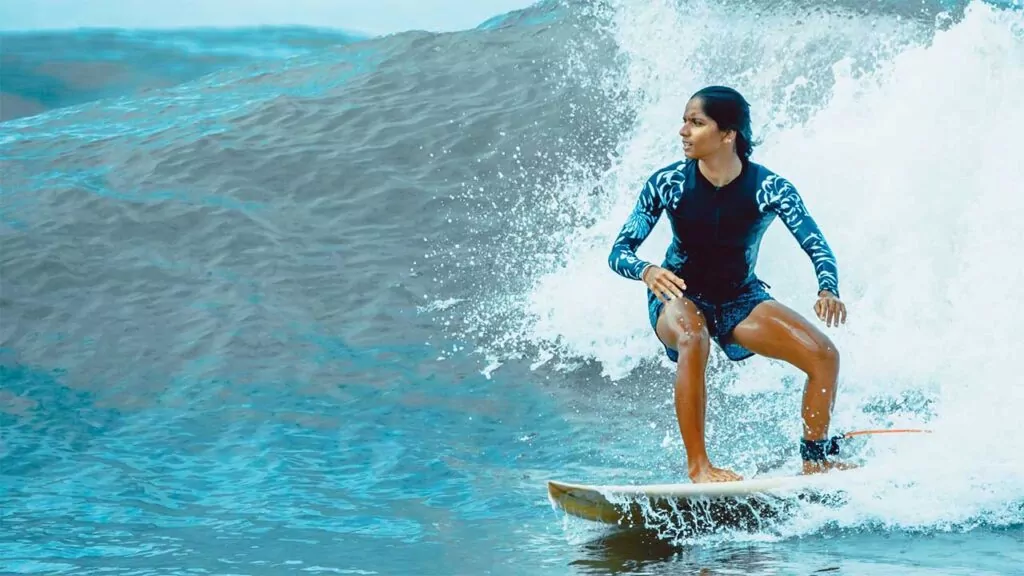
(896, 431)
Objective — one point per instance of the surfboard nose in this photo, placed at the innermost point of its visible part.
(583, 502)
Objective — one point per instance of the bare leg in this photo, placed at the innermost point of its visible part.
(775, 331)
(682, 327)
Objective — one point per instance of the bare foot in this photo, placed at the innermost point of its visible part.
(827, 466)
(712, 474)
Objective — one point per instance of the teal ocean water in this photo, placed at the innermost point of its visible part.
(295, 301)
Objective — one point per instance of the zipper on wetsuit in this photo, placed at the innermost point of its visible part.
(718, 212)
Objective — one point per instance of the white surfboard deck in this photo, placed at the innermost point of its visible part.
(746, 504)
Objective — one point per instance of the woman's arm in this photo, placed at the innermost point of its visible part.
(778, 195)
(649, 206)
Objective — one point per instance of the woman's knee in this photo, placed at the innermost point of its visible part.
(686, 327)
(824, 357)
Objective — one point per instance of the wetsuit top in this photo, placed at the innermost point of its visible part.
(716, 232)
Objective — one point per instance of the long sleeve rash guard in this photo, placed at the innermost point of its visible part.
(717, 232)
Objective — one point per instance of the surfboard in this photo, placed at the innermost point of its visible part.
(694, 508)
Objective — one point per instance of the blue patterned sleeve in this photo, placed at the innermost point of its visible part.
(649, 206)
(778, 195)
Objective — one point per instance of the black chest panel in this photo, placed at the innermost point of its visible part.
(717, 231)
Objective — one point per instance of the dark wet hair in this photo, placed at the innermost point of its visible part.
(731, 111)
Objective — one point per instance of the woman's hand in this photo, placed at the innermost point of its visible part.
(663, 283)
(830, 309)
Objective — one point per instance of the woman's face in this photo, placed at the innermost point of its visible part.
(700, 134)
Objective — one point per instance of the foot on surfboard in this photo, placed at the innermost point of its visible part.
(811, 467)
(712, 474)
(817, 455)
